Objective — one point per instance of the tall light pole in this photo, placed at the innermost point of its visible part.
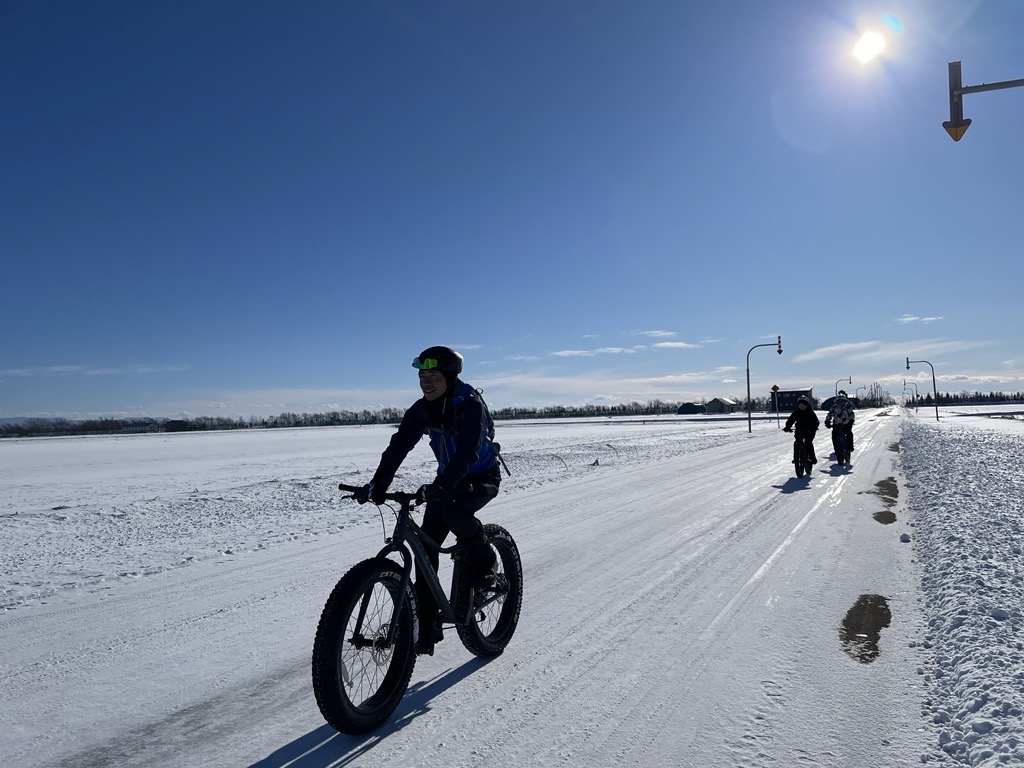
(848, 380)
(749, 417)
(916, 395)
(858, 390)
(935, 389)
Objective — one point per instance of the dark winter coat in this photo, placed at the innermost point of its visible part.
(458, 424)
(805, 419)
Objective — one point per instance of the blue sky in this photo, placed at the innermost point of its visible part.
(244, 208)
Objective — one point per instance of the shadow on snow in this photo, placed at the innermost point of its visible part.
(326, 748)
(795, 484)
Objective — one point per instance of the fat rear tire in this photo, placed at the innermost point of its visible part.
(491, 627)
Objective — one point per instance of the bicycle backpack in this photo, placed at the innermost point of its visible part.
(489, 437)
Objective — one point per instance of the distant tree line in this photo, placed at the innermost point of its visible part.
(967, 398)
(389, 415)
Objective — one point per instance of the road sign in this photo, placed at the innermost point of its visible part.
(775, 387)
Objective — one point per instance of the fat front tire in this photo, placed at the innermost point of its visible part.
(358, 682)
(494, 619)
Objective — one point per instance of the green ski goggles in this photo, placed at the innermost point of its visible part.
(427, 364)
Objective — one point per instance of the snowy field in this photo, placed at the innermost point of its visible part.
(688, 601)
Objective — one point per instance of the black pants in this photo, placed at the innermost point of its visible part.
(848, 429)
(456, 515)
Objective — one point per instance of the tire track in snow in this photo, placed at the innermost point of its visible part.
(706, 656)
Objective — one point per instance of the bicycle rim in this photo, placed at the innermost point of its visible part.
(358, 682)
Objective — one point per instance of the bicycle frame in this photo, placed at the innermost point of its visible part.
(800, 441)
(410, 542)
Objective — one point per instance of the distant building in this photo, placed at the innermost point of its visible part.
(788, 397)
(137, 426)
(176, 425)
(722, 405)
(688, 409)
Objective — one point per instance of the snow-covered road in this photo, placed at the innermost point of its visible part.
(688, 603)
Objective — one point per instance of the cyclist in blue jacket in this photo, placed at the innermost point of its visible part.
(460, 429)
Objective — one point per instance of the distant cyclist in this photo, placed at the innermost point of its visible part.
(806, 422)
(459, 425)
(840, 417)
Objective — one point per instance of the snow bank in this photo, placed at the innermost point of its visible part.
(965, 488)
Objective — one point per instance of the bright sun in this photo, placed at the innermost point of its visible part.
(869, 46)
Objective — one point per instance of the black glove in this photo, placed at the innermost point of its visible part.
(787, 429)
(371, 492)
(432, 492)
(827, 425)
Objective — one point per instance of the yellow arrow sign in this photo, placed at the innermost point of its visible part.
(956, 132)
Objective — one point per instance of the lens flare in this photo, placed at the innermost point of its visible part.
(892, 21)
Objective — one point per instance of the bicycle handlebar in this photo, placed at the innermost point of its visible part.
(402, 497)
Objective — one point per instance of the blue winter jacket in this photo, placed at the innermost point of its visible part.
(459, 430)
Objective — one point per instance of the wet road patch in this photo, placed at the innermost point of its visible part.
(887, 490)
(885, 518)
(862, 627)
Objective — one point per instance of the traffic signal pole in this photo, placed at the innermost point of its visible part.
(957, 126)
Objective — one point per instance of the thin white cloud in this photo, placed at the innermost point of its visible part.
(655, 334)
(674, 345)
(835, 351)
(905, 319)
(66, 370)
(677, 378)
(877, 351)
(599, 351)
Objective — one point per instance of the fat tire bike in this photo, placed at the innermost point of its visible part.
(840, 442)
(365, 646)
(802, 455)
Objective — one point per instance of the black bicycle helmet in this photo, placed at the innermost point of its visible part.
(443, 359)
(804, 399)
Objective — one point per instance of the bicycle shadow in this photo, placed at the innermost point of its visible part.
(795, 484)
(325, 747)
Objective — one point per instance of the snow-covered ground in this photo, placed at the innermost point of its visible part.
(688, 601)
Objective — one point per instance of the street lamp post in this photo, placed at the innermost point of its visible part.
(858, 390)
(848, 380)
(916, 395)
(935, 389)
(749, 406)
